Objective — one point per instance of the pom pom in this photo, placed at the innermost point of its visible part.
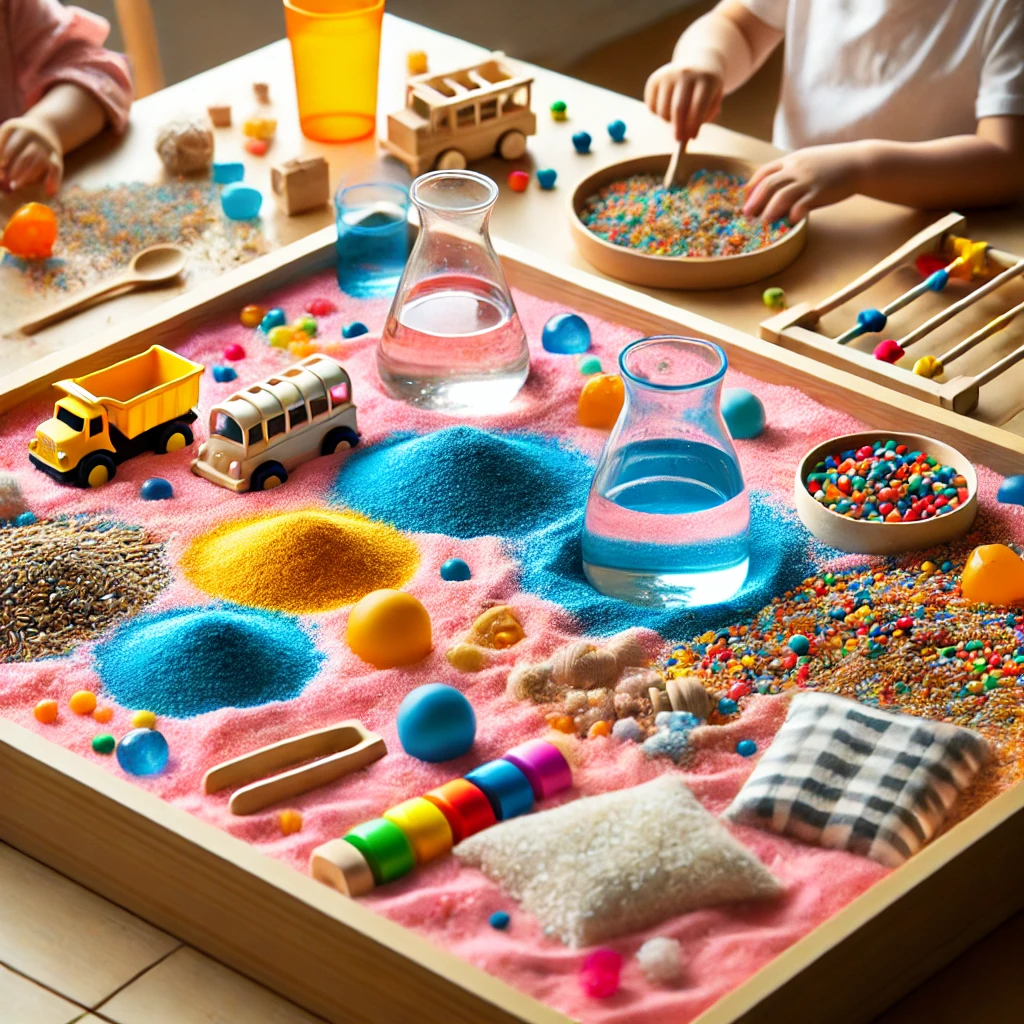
(660, 959)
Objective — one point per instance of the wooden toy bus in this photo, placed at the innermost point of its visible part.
(458, 116)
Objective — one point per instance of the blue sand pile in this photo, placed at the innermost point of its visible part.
(466, 482)
(188, 661)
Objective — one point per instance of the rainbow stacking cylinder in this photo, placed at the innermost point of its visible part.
(426, 827)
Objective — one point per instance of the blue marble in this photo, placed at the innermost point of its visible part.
(240, 202)
(143, 752)
(582, 141)
(746, 748)
(156, 488)
(228, 173)
(566, 334)
(436, 723)
(743, 413)
(354, 329)
(223, 374)
(1011, 491)
(455, 570)
(617, 130)
(499, 919)
(546, 177)
(273, 318)
(26, 519)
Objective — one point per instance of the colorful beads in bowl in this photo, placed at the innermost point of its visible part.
(886, 482)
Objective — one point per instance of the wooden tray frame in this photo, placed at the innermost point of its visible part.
(339, 959)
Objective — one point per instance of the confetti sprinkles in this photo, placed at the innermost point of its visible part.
(700, 219)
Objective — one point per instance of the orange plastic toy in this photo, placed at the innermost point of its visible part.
(31, 232)
(601, 401)
(388, 628)
(994, 574)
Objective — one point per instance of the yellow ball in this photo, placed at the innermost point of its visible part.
(143, 720)
(994, 574)
(83, 702)
(280, 337)
(388, 628)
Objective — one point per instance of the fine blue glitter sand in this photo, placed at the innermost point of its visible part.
(188, 661)
(466, 482)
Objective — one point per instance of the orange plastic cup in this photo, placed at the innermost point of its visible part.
(336, 50)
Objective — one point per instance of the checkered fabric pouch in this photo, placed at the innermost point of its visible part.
(850, 777)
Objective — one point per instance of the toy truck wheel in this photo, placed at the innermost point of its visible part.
(174, 437)
(268, 476)
(339, 439)
(450, 160)
(512, 145)
(95, 470)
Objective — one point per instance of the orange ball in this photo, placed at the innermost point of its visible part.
(289, 822)
(83, 702)
(46, 712)
(601, 401)
(252, 316)
(994, 574)
(31, 232)
(103, 715)
(388, 628)
(601, 728)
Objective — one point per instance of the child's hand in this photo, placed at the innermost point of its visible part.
(799, 182)
(29, 154)
(685, 96)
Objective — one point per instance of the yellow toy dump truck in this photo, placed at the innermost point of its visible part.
(263, 432)
(144, 403)
(462, 115)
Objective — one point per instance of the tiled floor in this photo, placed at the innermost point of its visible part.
(65, 951)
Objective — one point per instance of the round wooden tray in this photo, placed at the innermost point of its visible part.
(690, 272)
(865, 538)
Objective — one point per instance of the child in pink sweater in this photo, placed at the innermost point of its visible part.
(58, 88)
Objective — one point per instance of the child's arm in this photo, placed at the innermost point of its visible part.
(713, 57)
(983, 169)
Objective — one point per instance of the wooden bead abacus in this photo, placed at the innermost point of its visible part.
(929, 376)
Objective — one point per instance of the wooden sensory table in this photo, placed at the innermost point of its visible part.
(337, 958)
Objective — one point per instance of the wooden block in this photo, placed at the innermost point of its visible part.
(340, 865)
(220, 115)
(262, 91)
(301, 184)
(24, 1000)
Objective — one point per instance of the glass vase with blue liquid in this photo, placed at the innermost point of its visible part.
(373, 238)
(668, 515)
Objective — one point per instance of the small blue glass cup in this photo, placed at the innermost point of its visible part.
(373, 238)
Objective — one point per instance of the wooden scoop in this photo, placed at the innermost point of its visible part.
(157, 265)
(673, 176)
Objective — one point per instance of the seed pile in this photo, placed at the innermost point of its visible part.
(898, 636)
(307, 561)
(64, 581)
(100, 230)
(701, 219)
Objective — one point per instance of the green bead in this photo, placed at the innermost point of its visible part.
(104, 743)
(990, 683)
(385, 847)
(774, 298)
(589, 365)
(947, 652)
(973, 645)
(308, 324)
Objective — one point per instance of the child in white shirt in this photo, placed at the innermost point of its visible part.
(919, 102)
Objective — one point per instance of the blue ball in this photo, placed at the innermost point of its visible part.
(228, 173)
(156, 488)
(566, 334)
(455, 570)
(240, 202)
(273, 318)
(224, 374)
(743, 412)
(26, 519)
(582, 141)
(745, 748)
(617, 130)
(546, 177)
(354, 329)
(937, 281)
(436, 723)
(727, 706)
(799, 644)
(1011, 491)
(499, 919)
(142, 752)
(873, 321)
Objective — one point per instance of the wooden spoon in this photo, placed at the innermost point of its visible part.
(157, 265)
(672, 175)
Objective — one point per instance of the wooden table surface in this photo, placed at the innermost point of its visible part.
(844, 240)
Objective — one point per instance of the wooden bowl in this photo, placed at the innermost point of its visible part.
(691, 272)
(867, 538)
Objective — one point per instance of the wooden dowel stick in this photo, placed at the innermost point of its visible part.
(981, 334)
(958, 307)
(1000, 367)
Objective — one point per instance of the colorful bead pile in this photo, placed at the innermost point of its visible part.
(701, 219)
(886, 482)
(898, 635)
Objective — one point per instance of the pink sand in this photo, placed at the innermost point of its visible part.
(722, 947)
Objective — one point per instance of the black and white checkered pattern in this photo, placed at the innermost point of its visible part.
(850, 777)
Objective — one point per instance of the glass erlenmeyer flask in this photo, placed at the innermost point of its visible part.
(668, 516)
(453, 340)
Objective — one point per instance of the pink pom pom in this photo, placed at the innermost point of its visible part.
(600, 973)
(888, 351)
